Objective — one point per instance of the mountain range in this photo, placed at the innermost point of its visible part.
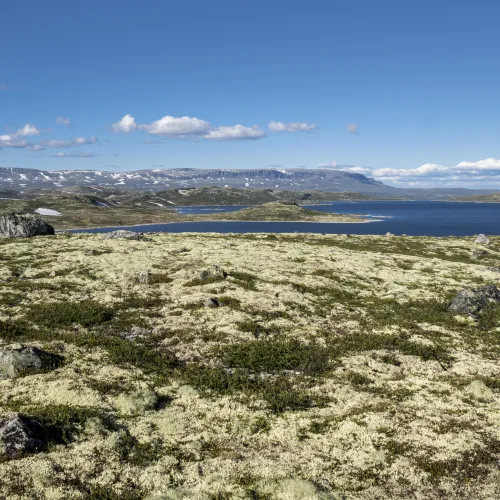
(298, 179)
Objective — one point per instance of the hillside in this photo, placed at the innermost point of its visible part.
(281, 211)
(250, 366)
(482, 198)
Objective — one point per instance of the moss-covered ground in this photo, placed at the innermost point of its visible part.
(331, 369)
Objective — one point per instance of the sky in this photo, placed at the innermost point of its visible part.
(405, 92)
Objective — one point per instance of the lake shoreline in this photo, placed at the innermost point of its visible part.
(235, 221)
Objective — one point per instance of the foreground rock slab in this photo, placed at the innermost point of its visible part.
(472, 301)
(15, 362)
(20, 434)
(23, 225)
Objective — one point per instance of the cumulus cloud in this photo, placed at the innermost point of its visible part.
(235, 132)
(27, 130)
(79, 141)
(188, 127)
(75, 155)
(125, 125)
(352, 128)
(182, 126)
(332, 164)
(291, 126)
(61, 120)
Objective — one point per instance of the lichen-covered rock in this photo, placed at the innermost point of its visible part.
(482, 240)
(472, 301)
(20, 434)
(22, 360)
(23, 225)
(122, 233)
(212, 272)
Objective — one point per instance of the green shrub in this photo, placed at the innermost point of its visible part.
(276, 355)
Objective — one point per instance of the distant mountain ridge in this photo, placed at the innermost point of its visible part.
(297, 179)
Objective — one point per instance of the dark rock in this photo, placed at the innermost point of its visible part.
(23, 360)
(211, 302)
(20, 434)
(24, 225)
(214, 271)
(472, 301)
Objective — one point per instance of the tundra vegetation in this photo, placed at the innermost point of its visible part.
(252, 366)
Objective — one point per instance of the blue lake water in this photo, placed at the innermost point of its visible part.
(414, 218)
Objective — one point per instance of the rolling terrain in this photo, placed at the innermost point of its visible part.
(251, 366)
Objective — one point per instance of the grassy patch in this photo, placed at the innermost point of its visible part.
(276, 355)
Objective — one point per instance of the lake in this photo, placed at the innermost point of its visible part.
(414, 218)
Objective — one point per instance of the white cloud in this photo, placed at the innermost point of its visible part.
(187, 126)
(488, 164)
(126, 124)
(332, 164)
(172, 126)
(75, 155)
(235, 132)
(27, 130)
(352, 128)
(61, 120)
(291, 126)
(79, 141)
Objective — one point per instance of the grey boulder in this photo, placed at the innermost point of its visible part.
(20, 434)
(482, 240)
(23, 225)
(24, 360)
(472, 301)
(122, 233)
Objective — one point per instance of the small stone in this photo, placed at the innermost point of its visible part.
(144, 277)
(472, 301)
(16, 361)
(211, 302)
(136, 332)
(20, 434)
(482, 240)
(214, 271)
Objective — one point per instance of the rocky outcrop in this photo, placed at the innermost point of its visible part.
(23, 360)
(122, 233)
(472, 301)
(482, 240)
(23, 225)
(20, 434)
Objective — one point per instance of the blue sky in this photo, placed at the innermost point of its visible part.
(406, 92)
